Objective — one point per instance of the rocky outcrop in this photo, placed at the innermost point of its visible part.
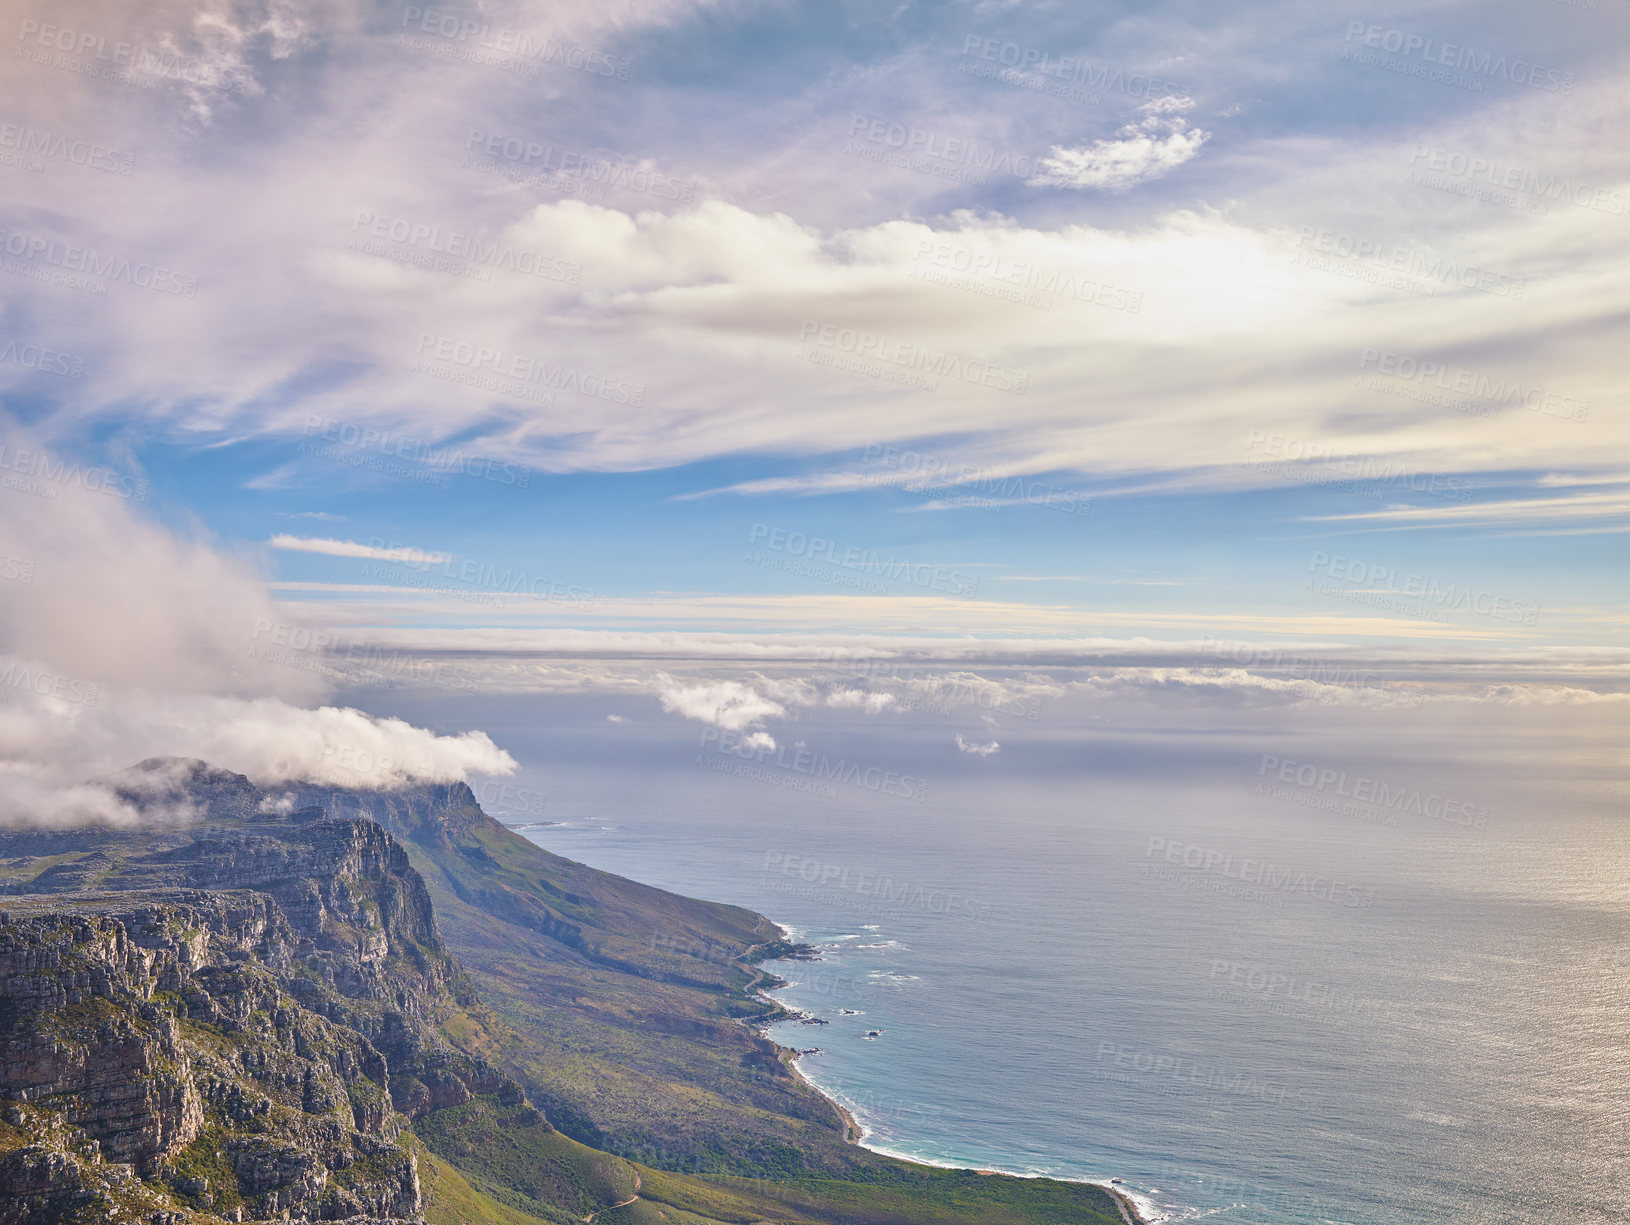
(434, 813)
(244, 1038)
(152, 1045)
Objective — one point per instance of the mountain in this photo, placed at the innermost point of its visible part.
(316, 1004)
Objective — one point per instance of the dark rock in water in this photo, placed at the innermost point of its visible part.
(787, 950)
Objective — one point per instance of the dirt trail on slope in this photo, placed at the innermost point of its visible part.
(637, 1185)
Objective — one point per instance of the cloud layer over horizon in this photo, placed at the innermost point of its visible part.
(1017, 353)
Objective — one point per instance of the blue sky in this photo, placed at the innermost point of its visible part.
(727, 332)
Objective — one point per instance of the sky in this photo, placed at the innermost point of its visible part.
(721, 363)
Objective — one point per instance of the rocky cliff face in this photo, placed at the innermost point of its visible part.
(425, 812)
(230, 1021)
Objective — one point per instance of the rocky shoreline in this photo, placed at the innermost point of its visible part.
(853, 1132)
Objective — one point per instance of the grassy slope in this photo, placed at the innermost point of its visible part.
(500, 1163)
(451, 1200)
(620, 1001)
(513, 1156)
(616, 1004)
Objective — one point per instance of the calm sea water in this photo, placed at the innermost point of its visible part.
(1245, 1006)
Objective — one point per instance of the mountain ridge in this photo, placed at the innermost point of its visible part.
(330, 1000)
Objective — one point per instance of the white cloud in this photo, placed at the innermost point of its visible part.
(1145, 149)
(702, 306)
(116, 600)
(50, 745)
(976, 748)
(273, 742)
(860, 699)
(730, 705)
(403, 554)
(130, 642)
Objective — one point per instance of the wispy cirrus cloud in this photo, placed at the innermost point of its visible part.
(1582, 513)
(403, 554)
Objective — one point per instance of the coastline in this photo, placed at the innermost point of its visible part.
(1134, 1211)
(853, 1132)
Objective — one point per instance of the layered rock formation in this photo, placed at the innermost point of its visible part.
(233, 1021)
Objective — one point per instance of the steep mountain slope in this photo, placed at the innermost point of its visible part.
(626, 1000)
(324, 1005)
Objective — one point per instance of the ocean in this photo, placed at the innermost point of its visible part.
(1250, 1000)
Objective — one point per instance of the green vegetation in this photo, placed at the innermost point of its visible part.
(512, 1155)
(202, 1177)
(616, 1006)
(451, 1200)
(569, 1045)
